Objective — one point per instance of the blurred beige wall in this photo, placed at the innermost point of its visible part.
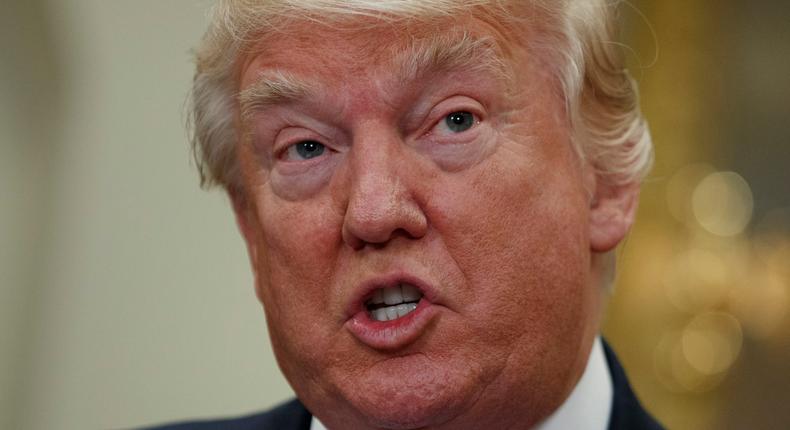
(126, 294)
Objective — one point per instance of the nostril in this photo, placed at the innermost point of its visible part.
(363, 231)
(356, 243)
(377, 230)
(352, 239)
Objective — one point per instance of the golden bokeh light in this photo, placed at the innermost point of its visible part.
(698, 357)
(722, 203)
(676, 373)
(711, 342)
(696, 279)
(763, 304)
(701, 312)
(680, 188)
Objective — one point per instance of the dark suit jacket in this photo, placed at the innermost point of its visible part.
(627, 413)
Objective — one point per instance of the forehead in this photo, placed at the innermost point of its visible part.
(321, 49)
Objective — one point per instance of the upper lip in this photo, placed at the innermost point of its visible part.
(366, 288)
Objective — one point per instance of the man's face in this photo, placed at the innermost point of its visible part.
(443, 186)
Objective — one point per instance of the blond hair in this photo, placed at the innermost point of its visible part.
(601, 99)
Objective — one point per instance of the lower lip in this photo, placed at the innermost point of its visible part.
(395, 334)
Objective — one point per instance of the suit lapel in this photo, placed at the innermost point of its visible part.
(627, 412)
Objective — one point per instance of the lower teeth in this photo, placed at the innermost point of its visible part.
(390, 313)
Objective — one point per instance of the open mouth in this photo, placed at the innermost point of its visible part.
(391, 303)
(392, 311)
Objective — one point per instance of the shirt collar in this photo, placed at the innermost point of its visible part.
(588, 406)
(590, 402)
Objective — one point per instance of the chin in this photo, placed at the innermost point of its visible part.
(410, 408)
(397, 395)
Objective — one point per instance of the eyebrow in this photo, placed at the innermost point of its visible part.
(415, 61)
(271, 89)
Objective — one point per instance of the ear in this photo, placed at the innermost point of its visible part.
(612, 213)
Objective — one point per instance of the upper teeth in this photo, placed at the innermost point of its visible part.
(401, 300)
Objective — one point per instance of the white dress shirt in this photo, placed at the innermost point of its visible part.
(587, 408)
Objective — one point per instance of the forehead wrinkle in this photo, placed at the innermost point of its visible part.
(270, 89)
(451, 52)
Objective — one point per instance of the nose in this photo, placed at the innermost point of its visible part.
(381, 200)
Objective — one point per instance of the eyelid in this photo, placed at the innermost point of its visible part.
(442, 123)
(290, 136)
(452, 105)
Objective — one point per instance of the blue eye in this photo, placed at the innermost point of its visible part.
(305, 150)
(459, 122)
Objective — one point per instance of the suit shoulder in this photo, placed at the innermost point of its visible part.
(627, 412)
(287, 416)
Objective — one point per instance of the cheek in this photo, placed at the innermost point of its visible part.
(298, 248)
(299, 243)
(526, 251)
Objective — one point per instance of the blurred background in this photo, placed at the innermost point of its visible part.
(126, 297)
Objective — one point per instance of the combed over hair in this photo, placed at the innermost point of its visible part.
(602, 101)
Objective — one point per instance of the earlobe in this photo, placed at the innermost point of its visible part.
(612, 213)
